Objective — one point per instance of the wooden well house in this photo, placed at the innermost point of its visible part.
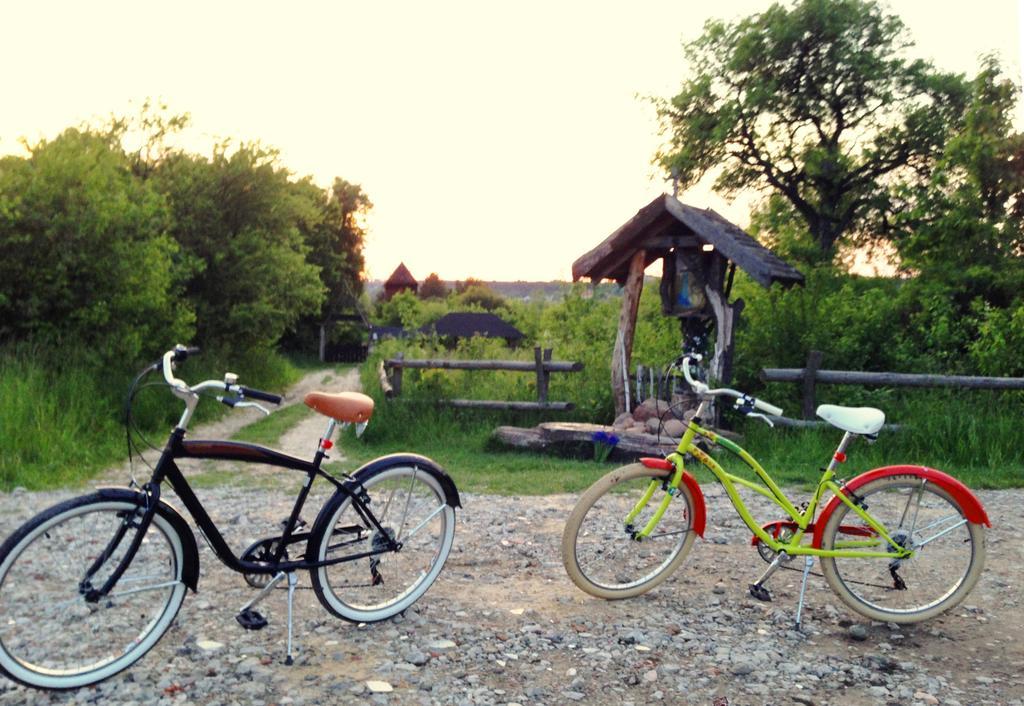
(700, 252)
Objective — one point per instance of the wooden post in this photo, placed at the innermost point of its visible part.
(385, 385)
(810, 373)
(543, 376)
(323, 342)
(623, 350)
(396, 374)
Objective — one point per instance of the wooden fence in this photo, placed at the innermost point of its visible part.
(390, 374)
(812, 374)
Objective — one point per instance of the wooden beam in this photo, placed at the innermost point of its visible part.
(551, 366)
(850, 377)
(506, 405)
(671, 241)
(622, 352)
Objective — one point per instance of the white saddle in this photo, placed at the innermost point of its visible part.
(856, 420)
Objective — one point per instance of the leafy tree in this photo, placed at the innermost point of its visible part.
(480, 295)
(336, 241)
(462, 286)
(433, 287)
(815, 104)
(240, 220)
(964, 228)
(85, 255)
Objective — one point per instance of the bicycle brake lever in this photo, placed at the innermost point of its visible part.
(257, 405)
(767, 421)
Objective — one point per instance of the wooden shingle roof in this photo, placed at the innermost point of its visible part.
(666, 223)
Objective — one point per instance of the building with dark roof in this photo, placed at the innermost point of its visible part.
(400, 280)
(467, 324)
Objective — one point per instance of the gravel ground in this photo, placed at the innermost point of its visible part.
(503, 624)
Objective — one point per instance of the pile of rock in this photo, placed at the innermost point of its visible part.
(658, 417)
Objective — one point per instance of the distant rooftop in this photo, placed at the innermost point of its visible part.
(401, 277)
(467, 324)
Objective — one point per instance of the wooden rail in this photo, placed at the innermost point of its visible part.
(812, 375)
(390, 374)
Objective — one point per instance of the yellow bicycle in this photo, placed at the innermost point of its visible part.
(899, 544)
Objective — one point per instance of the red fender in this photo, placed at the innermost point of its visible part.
(699, 511)
(972, 507)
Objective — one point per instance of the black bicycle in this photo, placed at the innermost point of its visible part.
(88, 586)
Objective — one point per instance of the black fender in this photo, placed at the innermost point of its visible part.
(451, 493)
(189, 549)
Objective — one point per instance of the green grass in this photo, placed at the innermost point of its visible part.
(61, 422)
(269, 430)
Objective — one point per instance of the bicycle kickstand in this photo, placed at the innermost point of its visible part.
(808, 563)
(292, 581)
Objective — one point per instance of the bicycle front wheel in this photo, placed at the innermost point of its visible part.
(948, 551)
(411, 509)
(51, 637)
(601, 550)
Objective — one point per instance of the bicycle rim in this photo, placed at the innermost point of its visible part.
(602, 551)
(50, 636)
(947, 560)
(409, 504)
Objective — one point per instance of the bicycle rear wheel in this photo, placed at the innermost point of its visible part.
(50, 636)
(599, 548)
(946, 564)
(411, 507)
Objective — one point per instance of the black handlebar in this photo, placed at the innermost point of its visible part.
(181, 352)
(260, 395)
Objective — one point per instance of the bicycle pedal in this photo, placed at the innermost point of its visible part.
(760, 593)
(251, 620)
(299, 524)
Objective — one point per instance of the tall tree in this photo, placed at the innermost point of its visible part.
(336, 242)
(240, 220)
(816, 104)
(964, 227)
(433, 287)
(86, 259)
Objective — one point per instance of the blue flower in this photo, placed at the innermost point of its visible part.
(603, 444)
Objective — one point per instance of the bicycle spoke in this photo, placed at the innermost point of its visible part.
(961, 523)
(437, 511)
(408, 499)
(154, 587)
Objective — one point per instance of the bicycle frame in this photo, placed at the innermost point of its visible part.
(802, 519)
(167, 469)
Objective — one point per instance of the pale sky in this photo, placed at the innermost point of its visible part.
(496, 140)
